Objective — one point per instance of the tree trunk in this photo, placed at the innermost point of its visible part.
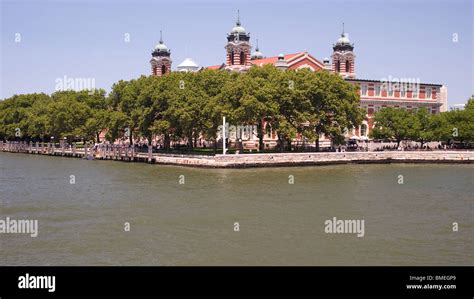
(167, 142)
(130, 138)
(281, 143)
(190, 141)
(288, 145)
(260, 134)
(215, 145)
(317, 142)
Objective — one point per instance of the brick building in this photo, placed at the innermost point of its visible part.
(374, 94)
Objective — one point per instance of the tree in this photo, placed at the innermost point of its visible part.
(335, 106)
(421, 128)
(392, 123)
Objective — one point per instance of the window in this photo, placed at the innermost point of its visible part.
(428, 92)
(377, 108)
(348, 66)
(363, 130)
(163, 69)
(414, 93)
(390, 91)
(377, 90)
(338, 66)
(232, 58)
(242, 58)
(364, 89)
(402, 91)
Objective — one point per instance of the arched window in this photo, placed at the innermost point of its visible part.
(268, 130)
(348, 66)
(338, 66)
(232, 58)
(363, 130)
(163, 69)
(242, 58)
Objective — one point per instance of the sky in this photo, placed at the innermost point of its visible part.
(108, 41)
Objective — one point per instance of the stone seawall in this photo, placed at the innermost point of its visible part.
(243, 160)
(298, 159)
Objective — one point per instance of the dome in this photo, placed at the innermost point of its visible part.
(257, 54)
(238, 29)
(188, 65)
(161, 47)
(188, 62)
(344, 39)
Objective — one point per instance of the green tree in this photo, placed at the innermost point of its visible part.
(392, 123)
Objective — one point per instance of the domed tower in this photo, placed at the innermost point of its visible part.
(238, 48)
(281, 63)
(161, 60)
(257, 54)
(343, 58)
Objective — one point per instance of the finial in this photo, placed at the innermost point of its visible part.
(256, 49)
(161, 37)
(238, 17)
(343, 31)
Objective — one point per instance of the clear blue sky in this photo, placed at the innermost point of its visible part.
(408, 39)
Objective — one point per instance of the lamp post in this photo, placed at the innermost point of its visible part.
(223, 135)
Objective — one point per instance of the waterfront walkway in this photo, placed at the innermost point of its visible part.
(129, 154)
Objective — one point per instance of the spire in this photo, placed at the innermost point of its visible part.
(161, 37)
(238, 18)
(343, 28)
(256, 49)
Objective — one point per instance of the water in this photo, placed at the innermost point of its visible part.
(193, 223)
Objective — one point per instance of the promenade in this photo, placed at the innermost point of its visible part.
(129, 154)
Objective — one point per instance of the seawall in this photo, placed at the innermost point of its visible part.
(245, 160)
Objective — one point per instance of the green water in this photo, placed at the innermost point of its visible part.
(193, 223)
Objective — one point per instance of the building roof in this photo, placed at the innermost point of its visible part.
(380, 81)
(215, 67)
(188, 62)
(290, 58)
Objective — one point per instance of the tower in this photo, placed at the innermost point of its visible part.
(281, 63)
(257, 54)
(161, 60)
(343, 57)
(238, 48)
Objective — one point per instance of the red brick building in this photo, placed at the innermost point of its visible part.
(374, 94)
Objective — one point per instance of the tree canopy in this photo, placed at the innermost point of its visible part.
(186, 106)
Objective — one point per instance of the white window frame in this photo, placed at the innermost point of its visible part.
(414, 93)
(428, 92)
(379, 88)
